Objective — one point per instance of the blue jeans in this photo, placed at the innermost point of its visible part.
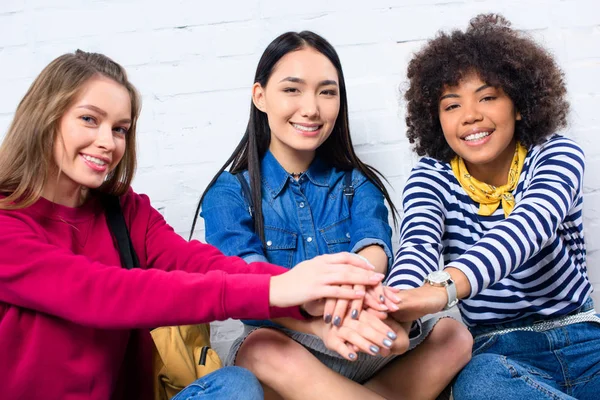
(229, 383)
(561, 363)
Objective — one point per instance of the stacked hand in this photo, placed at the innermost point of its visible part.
(367, 333)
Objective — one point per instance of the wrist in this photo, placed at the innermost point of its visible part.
(443, 284)
(273, 295)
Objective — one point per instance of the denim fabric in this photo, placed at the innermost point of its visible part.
(302, 219)
(229, 383)
(561, 363)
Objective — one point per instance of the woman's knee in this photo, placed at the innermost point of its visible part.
(455, 337)
(267, 351)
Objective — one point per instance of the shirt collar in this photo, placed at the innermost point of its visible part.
(275, 177)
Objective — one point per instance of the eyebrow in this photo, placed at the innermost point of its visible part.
(300, 80)
(103, 113)
(455, 96)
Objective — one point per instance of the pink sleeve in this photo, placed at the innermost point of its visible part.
(45, 278)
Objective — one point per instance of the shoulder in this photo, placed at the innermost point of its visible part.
(555, 149)
(429, 171)
(557, 144)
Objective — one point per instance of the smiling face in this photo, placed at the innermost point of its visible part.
(90, 139)
(302, 102)
(478, 121)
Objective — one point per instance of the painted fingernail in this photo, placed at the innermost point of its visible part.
(337, 321)
(377, 277)
(381, 298)
(354, 314)
(352, 356)
(383, 307)
(360, 292)
(374, 349)
(394, 307)
(387, 342)
(392, 335)
(328, 318)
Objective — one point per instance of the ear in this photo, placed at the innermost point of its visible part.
(258, 96)
(518, 116)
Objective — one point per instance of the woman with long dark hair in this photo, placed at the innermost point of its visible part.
(296, 189)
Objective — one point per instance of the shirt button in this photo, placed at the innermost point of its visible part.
(309, 239)
(269, 243)
(301, 204)
(348, 235)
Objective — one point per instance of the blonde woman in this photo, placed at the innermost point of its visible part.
(67, 309)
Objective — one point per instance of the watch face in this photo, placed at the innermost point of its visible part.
(439, 276)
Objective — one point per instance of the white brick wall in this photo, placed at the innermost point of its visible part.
(194, 61)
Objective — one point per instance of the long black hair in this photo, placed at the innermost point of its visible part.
(337, 150)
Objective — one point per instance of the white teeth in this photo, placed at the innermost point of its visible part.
(477, 136)
(305, 128)
(95, 160)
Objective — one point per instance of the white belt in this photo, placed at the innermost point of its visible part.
(545, 325)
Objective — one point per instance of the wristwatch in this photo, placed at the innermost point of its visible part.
(444, 279)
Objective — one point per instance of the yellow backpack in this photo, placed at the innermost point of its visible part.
(182, 355)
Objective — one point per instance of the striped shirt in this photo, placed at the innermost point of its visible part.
(532, 262)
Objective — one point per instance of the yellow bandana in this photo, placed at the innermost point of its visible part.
(489, 196)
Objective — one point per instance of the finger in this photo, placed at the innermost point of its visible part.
(379, 314)
(340, 309)
(391, 299)
(339, 274)
(357, 305)
(357, 339)
(328, 311)
(337, 344)
(336, 292)
(348, 258)
(380, 329)
(371, 302)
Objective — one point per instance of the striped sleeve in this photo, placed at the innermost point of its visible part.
(421, 229)
(555, 187)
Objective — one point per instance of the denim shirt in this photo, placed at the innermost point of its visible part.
(303, 218)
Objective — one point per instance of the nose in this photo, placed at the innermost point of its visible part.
(105, 139)
(310, 106)
(471, 114)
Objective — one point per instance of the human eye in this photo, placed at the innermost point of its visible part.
(488, 98)
(450, 107)
(329, 92)
(290, 90)
(121, 130)
(88, 119)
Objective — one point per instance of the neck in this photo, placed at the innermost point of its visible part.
(494, 172)
(294, 162)
(64, 192)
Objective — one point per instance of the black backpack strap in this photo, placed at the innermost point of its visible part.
(117, 225)
(348, 188)
(246, 191)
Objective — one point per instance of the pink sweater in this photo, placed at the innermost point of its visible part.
(67, 308)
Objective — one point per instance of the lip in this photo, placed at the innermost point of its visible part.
(93, 166)
(473, 131)
(311, 125)
(103, 158)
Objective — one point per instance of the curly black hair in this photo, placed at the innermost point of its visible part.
(503, 58)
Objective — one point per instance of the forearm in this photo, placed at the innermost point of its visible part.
(376, 257)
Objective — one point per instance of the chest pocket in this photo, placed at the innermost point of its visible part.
(337, 236)
(280, 245)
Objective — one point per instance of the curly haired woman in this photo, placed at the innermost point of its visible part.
(498, 194)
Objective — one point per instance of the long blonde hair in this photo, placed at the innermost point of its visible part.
(26, 154)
